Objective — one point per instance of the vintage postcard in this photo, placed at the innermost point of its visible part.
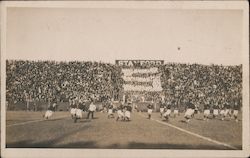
(124, 79)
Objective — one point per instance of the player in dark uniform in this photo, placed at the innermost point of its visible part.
(82, 104)
(53, 107)
(236, 108)
(162, 107)
(73, 107)
(226, 110)
(110, 110)
(167, 112)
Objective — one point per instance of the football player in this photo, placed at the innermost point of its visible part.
(72, 107)
(190, 110)
(216, 109)
(127, 110)
(110, 110)
(150, 109)
(176, 110)
(120, 113)
(206, 111)
(167, 112)
(226, 110)
(162, 106)
(50, 111)
(78, 111)
(236, 109)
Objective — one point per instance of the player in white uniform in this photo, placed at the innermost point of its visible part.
(50, 111)
(150, 110)
(127, 113)
(176, 110)
(190, 111)
(78, 110)
(206, 111)
(110, 110)
(120, 113)
(91, 110)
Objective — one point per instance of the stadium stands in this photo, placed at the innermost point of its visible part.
(50, 80)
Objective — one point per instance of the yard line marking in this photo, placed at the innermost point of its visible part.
(27, 122)
(194, 134)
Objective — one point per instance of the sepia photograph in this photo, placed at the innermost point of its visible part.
(124, 77)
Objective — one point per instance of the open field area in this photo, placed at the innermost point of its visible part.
(29, 129)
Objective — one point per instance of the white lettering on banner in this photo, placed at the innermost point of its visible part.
(135, 63)
(130, 63)
(149, 71)
(138, 79)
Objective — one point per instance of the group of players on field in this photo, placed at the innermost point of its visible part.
(215, 111)
(123, 110)
(208, 112)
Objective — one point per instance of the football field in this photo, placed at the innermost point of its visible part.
(30, 130)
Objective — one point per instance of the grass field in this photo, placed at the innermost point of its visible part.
(29, 129)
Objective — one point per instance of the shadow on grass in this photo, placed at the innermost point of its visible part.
(92, 118)
(131, 145)
(182, 121)
(83, 120)
(137, 145)
(50, 143)
(164, 120)
(54, 119)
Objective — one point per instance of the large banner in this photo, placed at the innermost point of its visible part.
(139, 63)
(141, 75)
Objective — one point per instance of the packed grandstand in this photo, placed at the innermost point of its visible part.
(43, 81)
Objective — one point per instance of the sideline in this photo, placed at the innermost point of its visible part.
(28, 122)
(194, 134)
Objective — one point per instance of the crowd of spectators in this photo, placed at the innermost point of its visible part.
(179, 83)
(48, 80)
(201, 84)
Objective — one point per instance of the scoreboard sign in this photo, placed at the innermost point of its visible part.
(139, 63)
